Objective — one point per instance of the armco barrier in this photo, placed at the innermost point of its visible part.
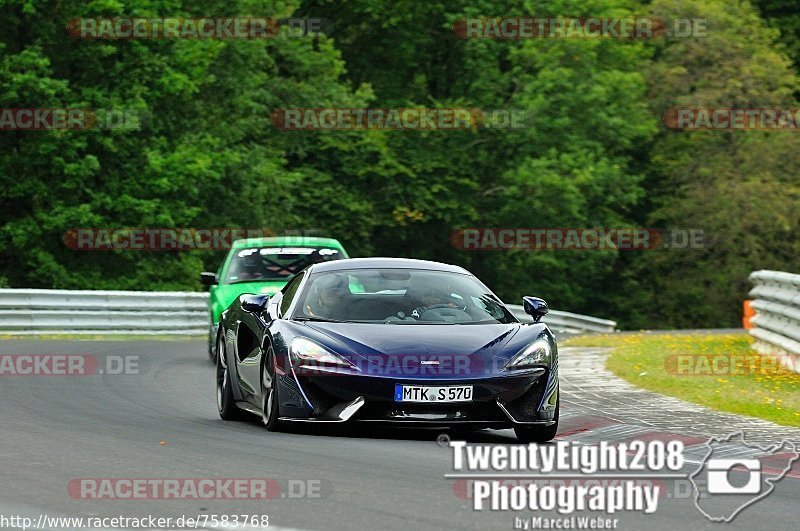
(776, 324)
(568, 322)
(38, 311)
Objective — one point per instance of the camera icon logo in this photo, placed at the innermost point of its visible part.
(719, 471)
(732, 475)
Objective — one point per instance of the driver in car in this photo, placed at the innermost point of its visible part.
(251, 267)
(432, 298)
(327, 293)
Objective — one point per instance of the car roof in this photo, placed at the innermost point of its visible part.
(288, 241)
(386, 263)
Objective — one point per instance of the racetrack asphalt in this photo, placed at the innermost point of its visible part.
(162, 423)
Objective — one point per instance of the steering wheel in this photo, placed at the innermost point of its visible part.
(426, 309)
(439, 306)
(450, 305)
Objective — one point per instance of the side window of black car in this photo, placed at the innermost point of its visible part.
(289, 292)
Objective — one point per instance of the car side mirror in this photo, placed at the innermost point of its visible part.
(535, 307)
(208, 279)
(254, 303)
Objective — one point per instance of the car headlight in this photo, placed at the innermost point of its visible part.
(308, 353)
(534, 355)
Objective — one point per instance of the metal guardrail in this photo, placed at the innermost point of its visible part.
(39, 311)
(567, 322)
(776, 324)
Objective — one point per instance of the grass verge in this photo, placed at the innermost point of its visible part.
(720, 371)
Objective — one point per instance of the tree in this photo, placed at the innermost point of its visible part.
(207, 156)
(741, 188)
(571, 164)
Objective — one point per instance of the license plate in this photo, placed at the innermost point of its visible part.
(417, 393)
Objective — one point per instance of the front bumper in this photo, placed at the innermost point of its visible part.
(520, 398)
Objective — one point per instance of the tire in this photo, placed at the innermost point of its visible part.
(226, 404)
(269, 392)
(531, 434)
(212, 335)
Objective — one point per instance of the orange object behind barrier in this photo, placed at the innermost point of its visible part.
(749, 312)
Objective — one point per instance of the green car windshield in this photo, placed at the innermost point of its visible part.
(255, 264)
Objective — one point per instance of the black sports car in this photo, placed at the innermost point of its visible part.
(388, 340)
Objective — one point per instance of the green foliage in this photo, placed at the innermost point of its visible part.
(586, 113)
(207, 158)
(591, 152)
(741, 188)
(785, 15)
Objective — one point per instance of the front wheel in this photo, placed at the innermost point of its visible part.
(269, 392)
(226, 404)
(529, 434)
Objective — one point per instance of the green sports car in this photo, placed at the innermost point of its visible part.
(263, 265)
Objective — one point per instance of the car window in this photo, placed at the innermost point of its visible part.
(289, 292)
(255, 264)
(402, 296)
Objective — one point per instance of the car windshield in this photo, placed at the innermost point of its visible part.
(399, 296)
(255, 264)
